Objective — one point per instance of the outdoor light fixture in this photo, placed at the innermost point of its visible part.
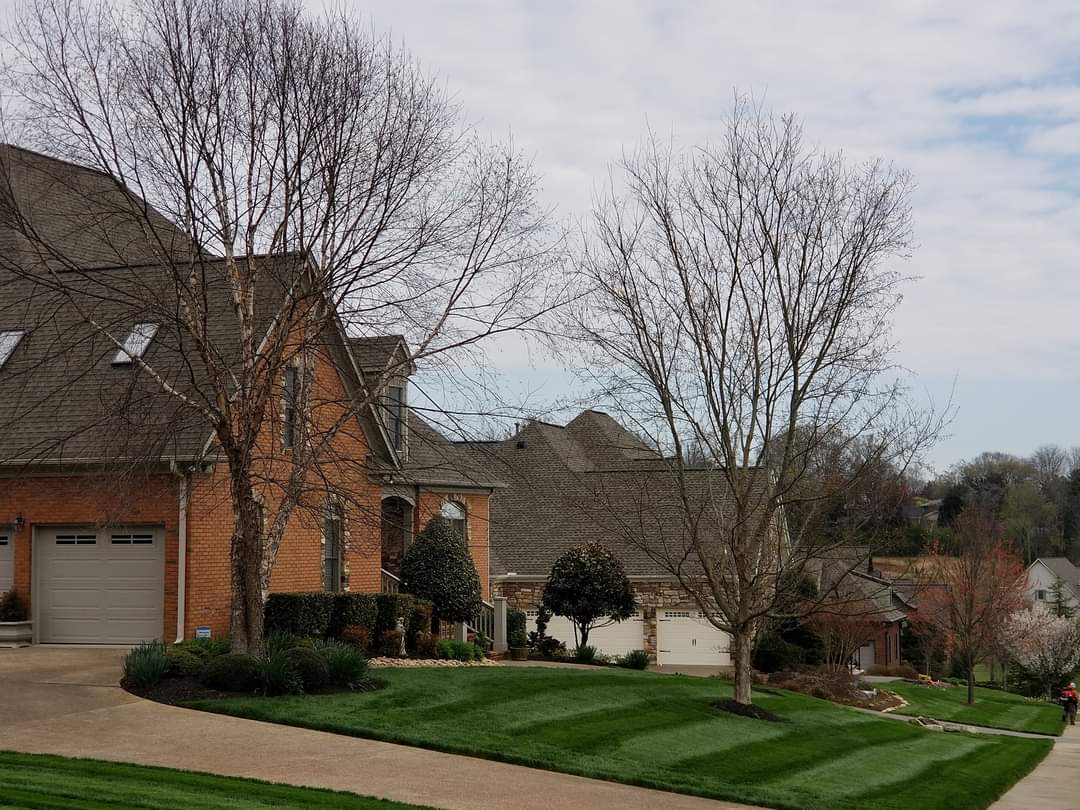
(19, 523)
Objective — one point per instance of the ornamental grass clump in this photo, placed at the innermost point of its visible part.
(145, 665)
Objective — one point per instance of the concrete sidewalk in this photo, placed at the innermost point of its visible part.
(1054, 784)
(60, 702)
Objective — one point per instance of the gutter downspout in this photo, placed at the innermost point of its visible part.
(181, 553)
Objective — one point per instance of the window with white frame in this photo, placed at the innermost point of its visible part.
(289, 405)
(455, 514)
(334, 541)
(136, 343)
(9, 339)
(393, 407)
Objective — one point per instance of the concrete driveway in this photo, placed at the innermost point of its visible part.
(66, 701)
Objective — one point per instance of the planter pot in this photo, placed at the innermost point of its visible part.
(16, 634)
(519, 653)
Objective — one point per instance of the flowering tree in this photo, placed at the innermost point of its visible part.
(970, 588)
(1045, 645)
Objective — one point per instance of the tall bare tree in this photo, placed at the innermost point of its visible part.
(739, 302)
(320, 179)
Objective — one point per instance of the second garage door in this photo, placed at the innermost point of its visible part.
(615, 639)
(98, 586)
(687, 637)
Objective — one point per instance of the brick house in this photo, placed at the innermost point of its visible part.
(115, 518)
(567, 484)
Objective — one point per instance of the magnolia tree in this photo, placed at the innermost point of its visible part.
(589, 586)
(1045, 645)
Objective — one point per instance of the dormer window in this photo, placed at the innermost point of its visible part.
(136, 343)
(8, 341)
(393, 406)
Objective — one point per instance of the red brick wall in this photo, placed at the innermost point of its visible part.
(477, 521)
(887, 645)
(89, 501)
(299, 562)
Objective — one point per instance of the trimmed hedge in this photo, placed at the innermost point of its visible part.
(301, 614)
(326, 615)
(352, 609)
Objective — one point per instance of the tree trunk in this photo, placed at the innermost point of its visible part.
(742, 647)
(246, 584)
(971, 685)
(583, 630)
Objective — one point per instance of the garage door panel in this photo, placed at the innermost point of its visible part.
(7, 554)
(687, 637)
(614, 639)
(98, 587)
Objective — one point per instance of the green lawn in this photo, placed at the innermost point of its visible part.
(34, 780)
(660, 731)
(992, 707)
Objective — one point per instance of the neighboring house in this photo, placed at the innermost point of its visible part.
(584, 481)
(884, 602)
(1048, 574)
(923, 512)
(115, 519)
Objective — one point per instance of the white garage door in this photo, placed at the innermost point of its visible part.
(615, 639)
(7, 543)
(687, 637)
(98, 587)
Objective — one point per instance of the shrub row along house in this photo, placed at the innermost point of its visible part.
(115, 516)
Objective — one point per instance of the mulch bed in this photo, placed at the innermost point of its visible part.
(176, 690)
(751, 711)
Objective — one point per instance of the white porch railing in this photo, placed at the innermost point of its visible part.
(390, 583)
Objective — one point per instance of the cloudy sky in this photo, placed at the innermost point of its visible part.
(980, 103)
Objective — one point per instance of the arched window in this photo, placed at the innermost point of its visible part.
(454, 512)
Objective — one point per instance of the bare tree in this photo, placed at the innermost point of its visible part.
(971, 588)
(1050, 462)
(322, 182)
(844, 624)
(739, 301)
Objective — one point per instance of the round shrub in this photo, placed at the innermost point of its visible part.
(310, 666)
(183, 662)
(232, 672)
(438, 567)
(145, 665)
(280, 641)
(346, 664)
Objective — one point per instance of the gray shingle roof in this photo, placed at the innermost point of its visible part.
(78, 214)
(374, 354)
(591, 480)
(62, 400)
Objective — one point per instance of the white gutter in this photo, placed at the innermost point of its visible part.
(181, 557)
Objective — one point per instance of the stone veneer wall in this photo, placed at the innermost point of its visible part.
(524, 594)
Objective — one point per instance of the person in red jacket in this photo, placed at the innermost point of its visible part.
(1069, 699)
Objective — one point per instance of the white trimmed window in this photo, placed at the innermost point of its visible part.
(136, 343)
(393, 406)
(455, 514)
(333, 546)
(291, 412)
(8, 341)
